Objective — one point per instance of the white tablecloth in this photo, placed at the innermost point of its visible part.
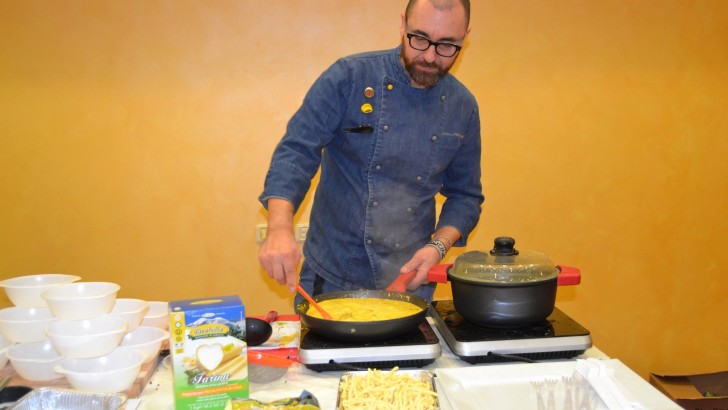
(324, 385)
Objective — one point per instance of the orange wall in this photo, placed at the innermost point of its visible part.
(136, 136)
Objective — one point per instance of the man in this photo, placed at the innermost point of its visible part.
(389, 129)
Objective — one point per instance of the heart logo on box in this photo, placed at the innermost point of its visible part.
(210, 356)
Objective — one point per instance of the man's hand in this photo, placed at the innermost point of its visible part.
(428, 256)
(279, 255)
(422, 261)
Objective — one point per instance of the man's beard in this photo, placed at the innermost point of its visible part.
(423, 78)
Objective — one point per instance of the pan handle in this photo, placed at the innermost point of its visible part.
(437, 273)
(568, 276)
(271, 317)
(271, 360)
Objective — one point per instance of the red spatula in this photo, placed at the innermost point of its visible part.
(313, 303)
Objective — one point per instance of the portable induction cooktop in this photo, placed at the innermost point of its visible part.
(557, 337)
(414, 349)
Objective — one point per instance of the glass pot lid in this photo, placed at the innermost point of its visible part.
(503, 264)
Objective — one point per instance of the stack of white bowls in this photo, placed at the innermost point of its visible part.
(81, 330)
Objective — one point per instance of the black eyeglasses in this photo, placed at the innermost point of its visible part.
(442, 49)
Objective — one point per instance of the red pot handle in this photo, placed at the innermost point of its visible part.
(568, 275)
(437, 273)
(400, 284)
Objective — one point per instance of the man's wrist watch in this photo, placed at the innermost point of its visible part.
(440, 246)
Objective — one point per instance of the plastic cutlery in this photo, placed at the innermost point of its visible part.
(538, 387)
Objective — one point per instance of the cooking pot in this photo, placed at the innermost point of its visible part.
(504, 287)
(363, 331)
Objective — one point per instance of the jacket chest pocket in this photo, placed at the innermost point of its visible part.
(445, 147)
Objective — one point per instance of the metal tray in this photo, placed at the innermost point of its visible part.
(46, 398)
(424, 375)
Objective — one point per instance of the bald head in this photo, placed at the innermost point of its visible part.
(443, 5)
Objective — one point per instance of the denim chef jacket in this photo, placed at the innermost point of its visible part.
(374, 205)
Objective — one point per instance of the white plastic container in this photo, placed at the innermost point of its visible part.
(35, 361)
(81, 339)
(131, 310)
(25, 325)
(25, 291)
(146, 339)
(111, 373)
(62, 398)
(82, 300)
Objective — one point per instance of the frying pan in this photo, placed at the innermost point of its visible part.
(364, 331)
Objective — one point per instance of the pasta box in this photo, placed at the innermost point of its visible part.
(208, 352)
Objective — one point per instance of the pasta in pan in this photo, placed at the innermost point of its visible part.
(391, 390)
(365, 309)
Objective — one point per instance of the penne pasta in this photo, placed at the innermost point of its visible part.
(390, 390)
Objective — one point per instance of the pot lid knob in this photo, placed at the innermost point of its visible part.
(504, 246)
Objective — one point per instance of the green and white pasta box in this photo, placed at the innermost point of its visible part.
(209, 353)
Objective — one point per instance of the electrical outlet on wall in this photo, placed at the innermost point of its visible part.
(300, 232)
(261, 232)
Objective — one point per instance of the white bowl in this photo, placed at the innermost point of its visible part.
(35, 361)
(112, 373)
(157, 316)
(5, 344)
(146, 339)
(25, 291)
(25, 325)
(82, 300)
(131, 310)
(82, 339)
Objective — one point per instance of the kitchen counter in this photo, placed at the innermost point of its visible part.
(158, 395)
